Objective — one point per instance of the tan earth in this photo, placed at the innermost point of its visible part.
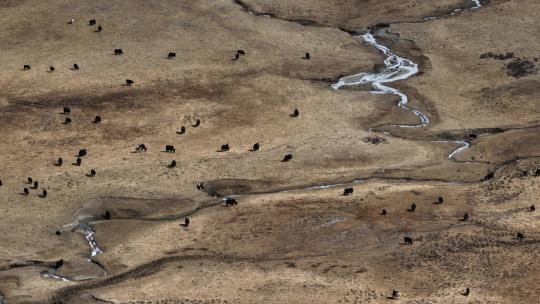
(293, 237)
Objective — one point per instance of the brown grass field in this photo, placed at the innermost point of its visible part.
(293, 237)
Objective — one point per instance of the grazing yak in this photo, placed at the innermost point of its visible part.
(307, 56)
(51, 69)
(287, 157)
(60, 161)
(467, 292)
(171, 55)
(230, 202)
(440, 200)
(129, 82)
(413, 208)
(520, 236)
(82, 152)
(396, 295)
(170, 149)
(25, 190)
(197, 123)
(296, 113)
(186, 222)
(67, 121)
(44, 193)
(92, 172)
(75, 67)
(408, 240)
(58, 264)
(241, 52)
(78, 161)
(532, 208)
(141, 148)
(236, 57)
(0, 182)
(173, 164)
(255, 147)
(118, 52)
(30, 180)
(26, 67)
(200, 186)
(99, 28)
(383, 212)
(348, 191)
(92, 22)
(465, 217)
(107, 215)
(97, 119)
(224, 148)
(36, 184)
(182, 130)
(67, 110)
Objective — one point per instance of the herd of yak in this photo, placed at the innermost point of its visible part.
(34, 184)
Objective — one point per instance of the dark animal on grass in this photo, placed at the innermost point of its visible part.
(230, 202)
(296, 113)
(186, 222)
(97, 119)
(173, 164)
(30, 180)
(75, 67)
(44, 193)
(67, 121)
(36, 184)
(170, 149)
(51, 69)
(26, 67)
(408, 240)
(78, 161)
(82, 152)
(348, 191)
(537, 172)
(92, 172)
(25, 191)
(58, 232)
(473, 136)
(489, 176)
(107, 215)
(287, 157)
(465, 217)
(200, 186)
(129, 82)
(520, 236)
(67, 110)
(224, 148)
(307, 56)
(0, 182)
(60, 161)
(171, 55)
(396, 295)
(197, 123)
(467, 292)
(141, 148)
(92, 22)
(240, 52)
(58, 264)
(440, 200)
(236, 57)
(525, 173)
(383, 212)
(182, 130)
(99, 28)
(118, 52)
(255, 147)
(532, 208)
(413, 208)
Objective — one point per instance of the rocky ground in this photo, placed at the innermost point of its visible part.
(288, 240)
